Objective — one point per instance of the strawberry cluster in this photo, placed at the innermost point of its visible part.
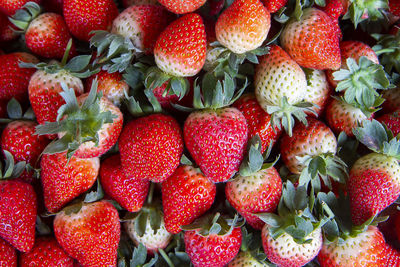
(199, 133)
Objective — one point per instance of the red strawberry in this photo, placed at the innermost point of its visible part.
(392, 256)
(63, 181)
(182, 53)
(46, 252)
(182, 7)
(82, 17)
(130, 193)
(274, 5)
(258, 121)
(334, 9)
(8, 255)
(259, 192)
(394, 7)
(186, 195)
(13, 79)
(6, 32)
(313, 41)
(18, 214)
(142, 24)
(165, 101)
(89, 233)
(20, 140)
(151, 147)
(243, 26)
(9, 7)
(392, 121)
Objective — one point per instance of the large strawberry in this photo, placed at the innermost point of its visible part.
(312, 41)
(63, 181)
(89, 233)
(182, 7)
(151, 147)
(85, 17)
(9, 7)
(129, 192)
(14, 80)
(46, 252)
(186, 195)
(8, 255)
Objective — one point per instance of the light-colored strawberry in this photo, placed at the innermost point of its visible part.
(182, 7)
(318, 89)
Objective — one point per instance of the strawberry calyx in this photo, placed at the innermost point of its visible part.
(298, 214)
(139, 258)
(251, 245)
(388, 50)
(15, 112)
(24, 16)
(76, 123)
(360, 82)
(11, 169)
(360, 10)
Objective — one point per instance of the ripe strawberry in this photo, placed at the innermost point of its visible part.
(259, 192)
(165, 101)
(142, 24)
(8, 255)
(313, 41)
(182, 7)
(13, 79)
(130, 193)
(392, 256)
(365, 249)
(394, 7)
(243, 26)
(341, 116)
(318, 90)
(392, 121)
(334, 9)
(274, 5)
(91, 15)
(63, 181)
(20, 140)
(46, 252)
(258, 121)
(6, 31)
(89, 233)
(151, 147)
(182, 53)
(17, 214)
(9, 7)
(186, 195)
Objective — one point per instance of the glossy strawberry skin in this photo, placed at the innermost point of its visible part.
(216, 139)
(91, 235)
(82, 17)
(334, 9)
(9, 7)
(63, 182)
(18, 209)
(212, 250)
(182, 7)
(13, 79)
(46, 252)
(8, 255)
(186, 195)
(151, 147)
(130, 193)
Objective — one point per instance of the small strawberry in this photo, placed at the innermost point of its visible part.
(394, 7)
(182, 7)
(89, 233)
(91, 15)
(212, 242)
(334, 9)
(373, 183)
(151, 147)
(243, 26)
(186, 195)
(130, 193)
(6, 29)
(46, 252)
(9, 7)
(8, 255)
(318, 90)
(14, 80)
(391, 121)
(312, 41)
(274, 5)
(63, 181)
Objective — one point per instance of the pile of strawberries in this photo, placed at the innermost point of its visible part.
(199, 133)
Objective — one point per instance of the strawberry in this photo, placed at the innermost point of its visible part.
(46, 252)
(258, 121)
(313, 41)
(334, 9)
(274, 5)
(243, 26)
(20, 140)
(365, 249)
(208, 248)
(392, 256)
(341, 116)
(84, 17)
(318, 90)
(165, 98)
(17, 214)
(186, 195)
(392, 100)
(9, 7)
(373, 182)
(391, 121)
(8, 255)
(63, 181)
(151, 147)
(89, 233)
(142, 24)
(394, 7)
(130, 193)
(14, 80)
(182, 7)
(6, 29)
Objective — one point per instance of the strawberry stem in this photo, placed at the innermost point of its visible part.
(66, 53)
(165, 257)
(150, 195)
